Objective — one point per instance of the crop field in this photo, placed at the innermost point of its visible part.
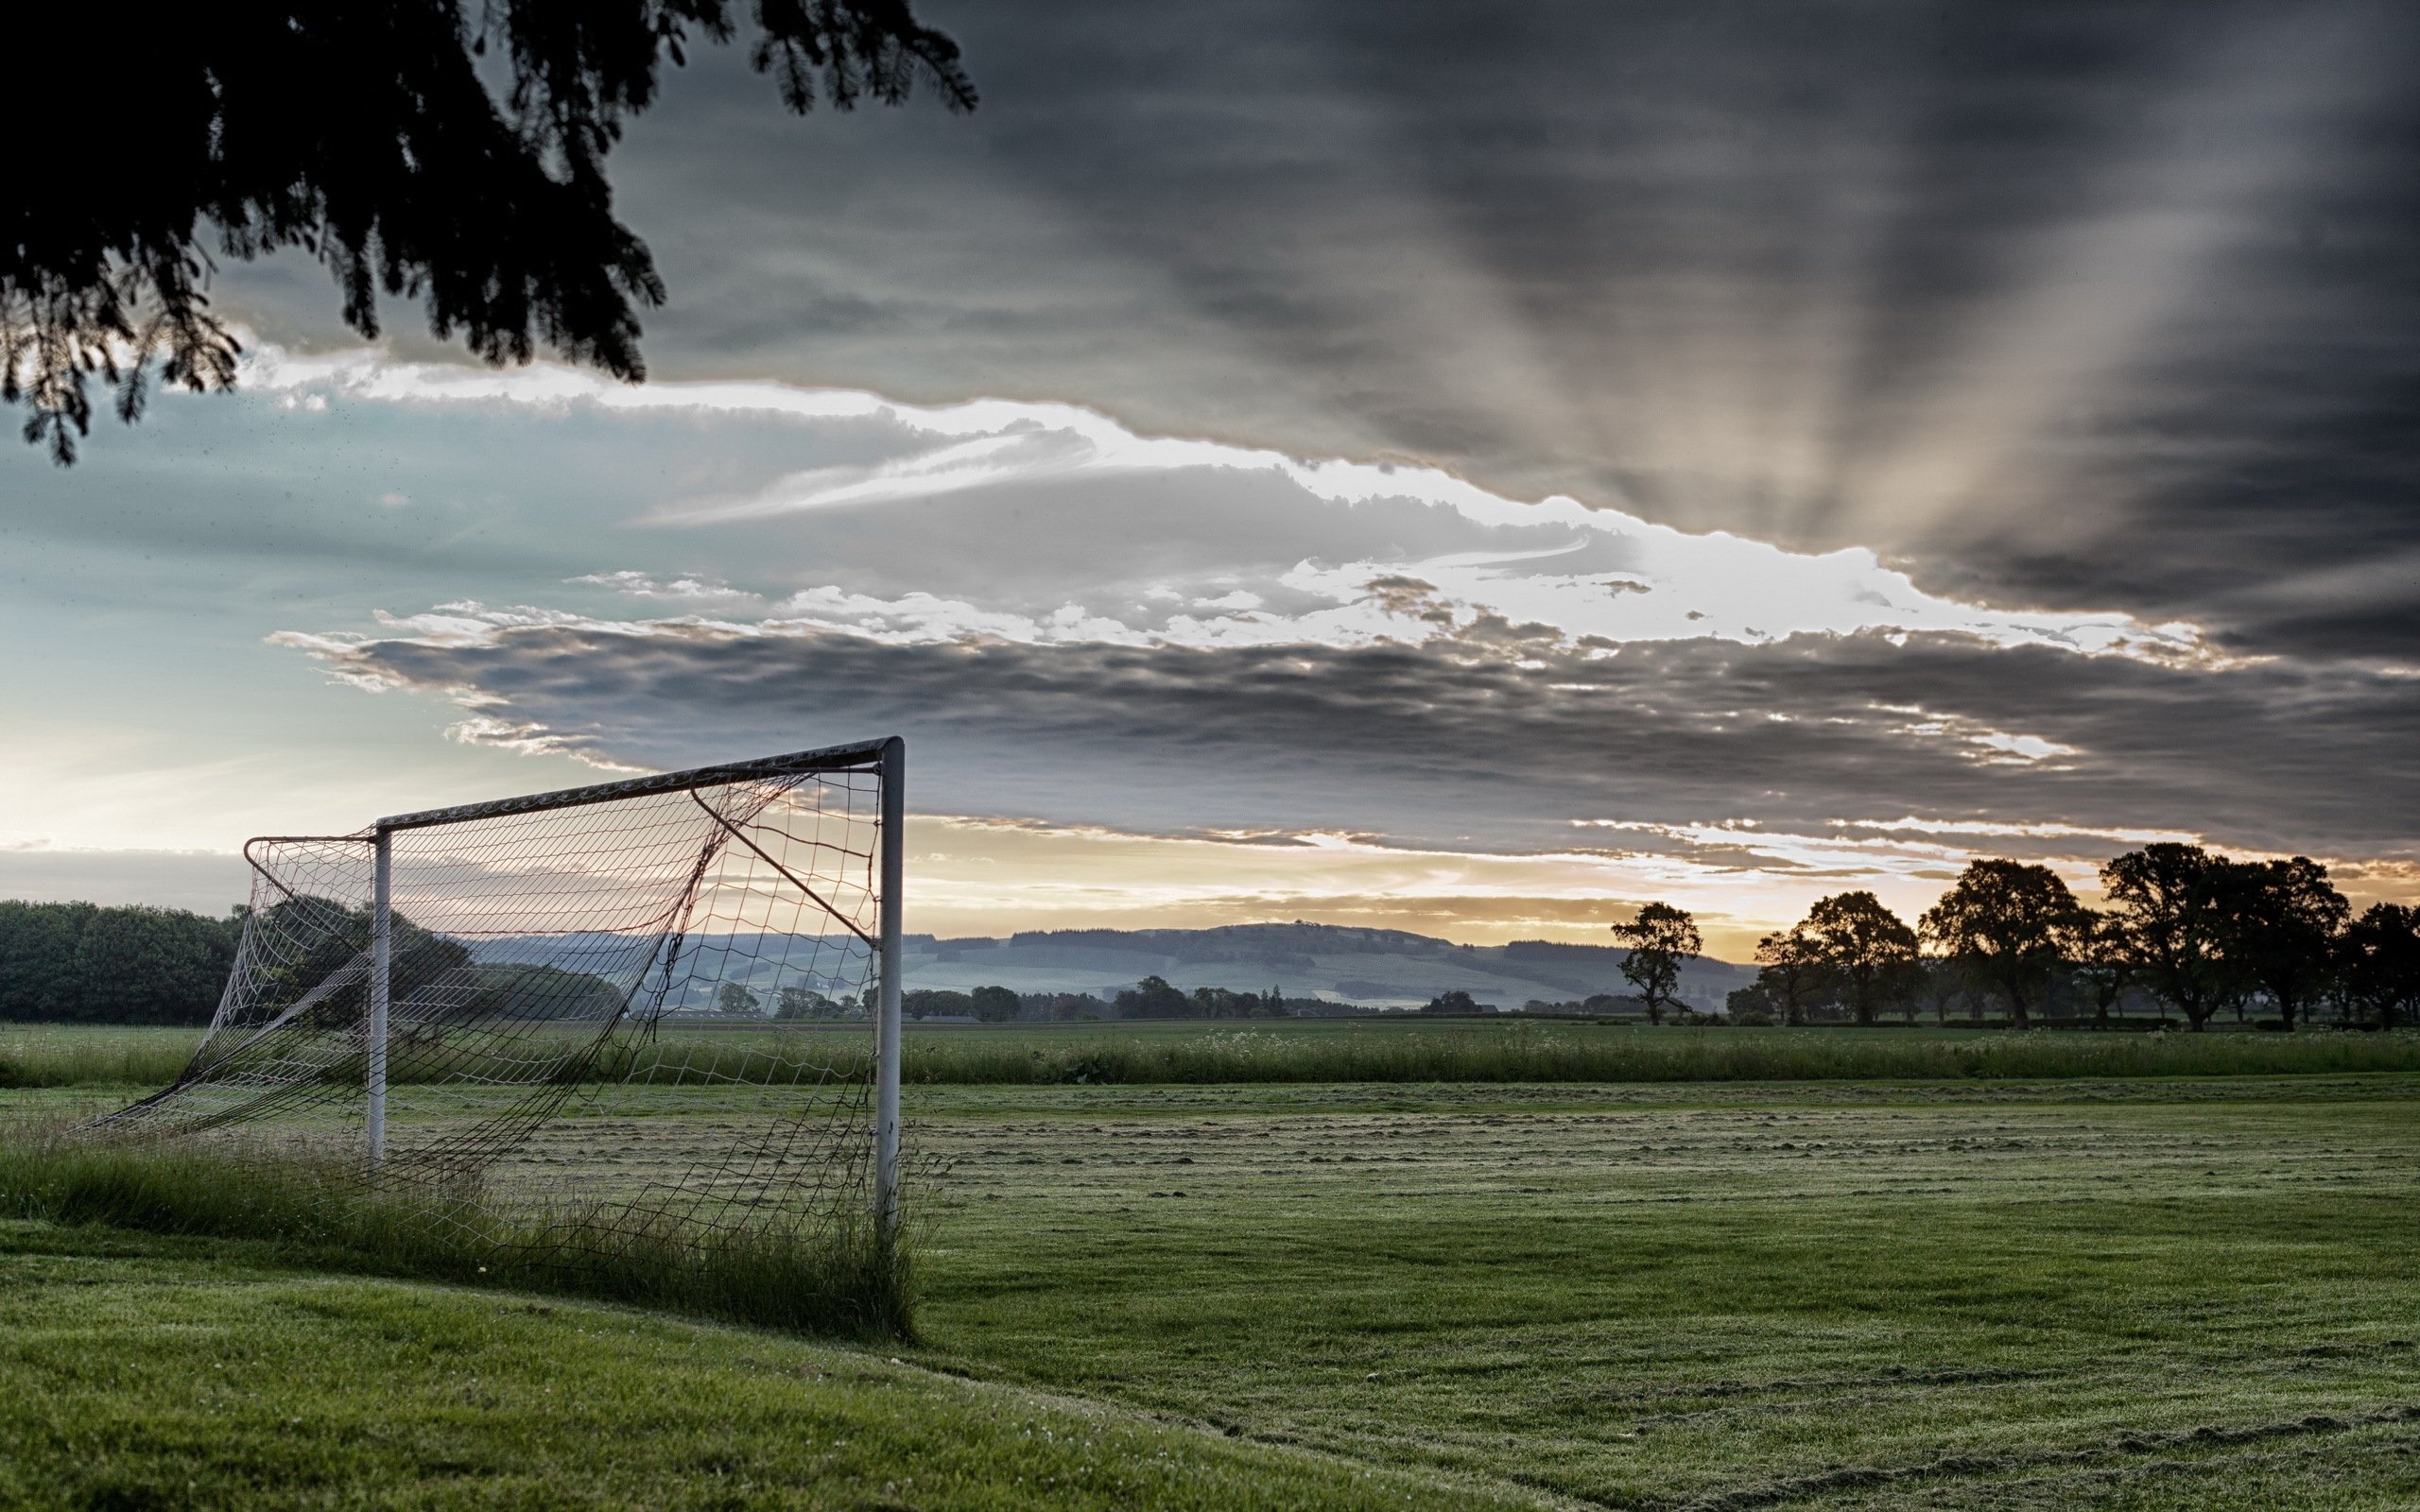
(2174, 1289)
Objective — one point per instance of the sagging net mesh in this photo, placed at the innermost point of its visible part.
(656, 1006)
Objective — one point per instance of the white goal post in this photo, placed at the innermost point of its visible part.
(517, 972)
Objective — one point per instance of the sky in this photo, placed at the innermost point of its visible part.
(1464, 468)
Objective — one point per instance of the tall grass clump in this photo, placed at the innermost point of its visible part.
(94, 1057)
(1355, 1050)
(151, 1056)
(1533, 1052)
(836, 1279)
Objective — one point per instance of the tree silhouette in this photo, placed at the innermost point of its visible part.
(2172, 902)
(1661, 938)
(806, 1003)
(2283, 928)
(1154, 998)
(1749, 1004)
(994, 1005)
(366, 134)
(2007, 924)
(1794, 974)
(2102, 963)
(736, 1001)
(1870, 951)
(2381, 956)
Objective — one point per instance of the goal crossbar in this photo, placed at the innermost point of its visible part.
(827, 758)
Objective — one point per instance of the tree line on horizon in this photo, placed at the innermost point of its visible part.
(2194, 931)
(89, 963)
(83, 963)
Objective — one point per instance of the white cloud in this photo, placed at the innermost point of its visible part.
(1588, 574)
(1976, 739)
(2008, 830)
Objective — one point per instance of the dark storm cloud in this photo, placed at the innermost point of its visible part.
(2104, 304)
(1498, 737)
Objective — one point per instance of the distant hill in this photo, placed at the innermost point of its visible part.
(1377, 968)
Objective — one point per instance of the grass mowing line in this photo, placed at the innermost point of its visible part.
(1969, 1467)
(833, 1281)
(1432, 1479)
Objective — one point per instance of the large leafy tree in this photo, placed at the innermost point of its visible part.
(1870, 949)
(2281, 925)
(2381, 956)
(994, 1005)
(368, 136)
(2172, 902)
(2008, 924)
(316, 950)
(1661, 939)
(1154, 998)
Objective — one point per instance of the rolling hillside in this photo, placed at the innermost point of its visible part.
(1371, 968)
(1379, 967)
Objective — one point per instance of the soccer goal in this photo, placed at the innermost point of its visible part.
(671, 1003)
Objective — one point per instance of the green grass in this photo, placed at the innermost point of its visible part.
(2163, 1292)
(141, 1372)
(81, 1055)
(1385, 1051)
(1787, 1296)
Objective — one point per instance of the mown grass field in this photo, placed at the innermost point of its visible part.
(1755, 1296)
(2165, 1291)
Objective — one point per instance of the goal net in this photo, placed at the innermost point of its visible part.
(669, 1003)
